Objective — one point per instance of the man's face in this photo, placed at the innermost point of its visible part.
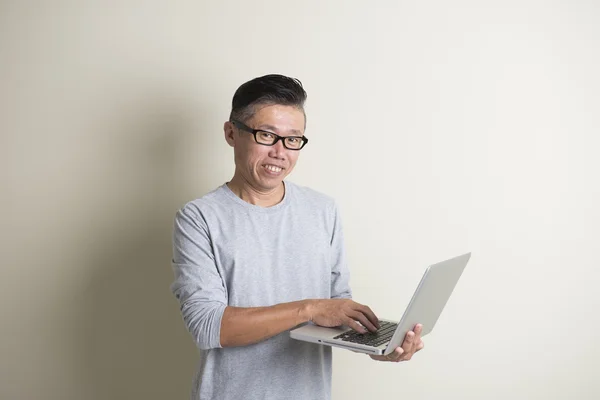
(265, 167)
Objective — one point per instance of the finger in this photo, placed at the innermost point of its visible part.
(362, 319)
(418, 329)
(397, 355)
(408, 340)
(354, 325)
(421, 346)
(366, 310)
(407, 345)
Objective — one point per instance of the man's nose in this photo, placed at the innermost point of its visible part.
(277, 150)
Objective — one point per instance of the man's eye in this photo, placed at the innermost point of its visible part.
(266, 135)
(292, 140)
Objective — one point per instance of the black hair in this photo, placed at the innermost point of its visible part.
(266, 90)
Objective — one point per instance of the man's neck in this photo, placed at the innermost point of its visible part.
(254, 196)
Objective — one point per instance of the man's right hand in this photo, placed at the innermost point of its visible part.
(337, 312)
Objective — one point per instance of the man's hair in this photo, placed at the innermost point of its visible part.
(267, 90)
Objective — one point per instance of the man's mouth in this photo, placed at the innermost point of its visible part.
(273, 168)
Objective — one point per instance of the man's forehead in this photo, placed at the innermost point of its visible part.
(279, 118)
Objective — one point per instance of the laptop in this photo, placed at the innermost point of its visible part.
(425, 307)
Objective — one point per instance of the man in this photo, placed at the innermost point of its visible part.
(260, 255)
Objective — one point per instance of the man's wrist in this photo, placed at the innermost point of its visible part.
(305, 311)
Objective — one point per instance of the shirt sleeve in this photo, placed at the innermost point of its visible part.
(197, 285)
(340, 274)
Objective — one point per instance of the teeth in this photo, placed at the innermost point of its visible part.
(272, 168)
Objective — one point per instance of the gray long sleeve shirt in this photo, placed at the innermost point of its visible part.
(227, 252)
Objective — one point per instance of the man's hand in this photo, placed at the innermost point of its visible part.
(412, 343)
(337, 312)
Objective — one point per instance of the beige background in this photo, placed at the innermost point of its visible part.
(440, 127)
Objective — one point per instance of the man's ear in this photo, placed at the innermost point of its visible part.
(229, 131)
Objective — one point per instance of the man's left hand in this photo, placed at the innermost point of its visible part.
(412, 343)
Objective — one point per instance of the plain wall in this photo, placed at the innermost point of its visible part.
(440, 127)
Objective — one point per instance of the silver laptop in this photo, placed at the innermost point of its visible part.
(424, 308)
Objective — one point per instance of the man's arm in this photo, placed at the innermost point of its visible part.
(244, 326)
(197, 286)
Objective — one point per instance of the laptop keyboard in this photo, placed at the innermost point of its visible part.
(382, 335)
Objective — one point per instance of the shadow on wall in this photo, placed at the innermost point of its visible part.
(136, 345)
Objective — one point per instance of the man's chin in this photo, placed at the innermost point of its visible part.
(269, 183)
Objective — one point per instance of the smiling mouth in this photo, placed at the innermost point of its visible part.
(273, 168)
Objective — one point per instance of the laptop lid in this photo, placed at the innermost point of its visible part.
(430, 298)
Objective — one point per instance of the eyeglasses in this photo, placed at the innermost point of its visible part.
(269, 138)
